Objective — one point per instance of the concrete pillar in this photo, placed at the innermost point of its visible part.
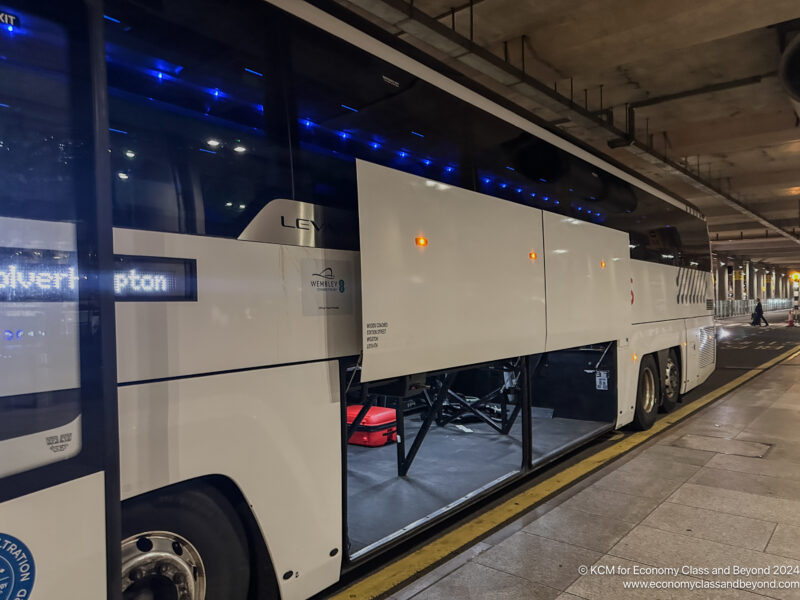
(750, 280)
(722, 284)
(738, 283)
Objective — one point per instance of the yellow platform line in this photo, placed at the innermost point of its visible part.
(395, 574)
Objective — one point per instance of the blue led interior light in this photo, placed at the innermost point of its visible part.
(519, 190)
(112, 19)
(504, 185)
(349, 107)
(402, 154)
(417, 134)
(426, 162)
(344, 135)
(510, 168)
(118, 131)
(533, 194)
(3, 105)
(206, 151)
(374, 145)
(449, 169)
(252, 72)
(542, 179)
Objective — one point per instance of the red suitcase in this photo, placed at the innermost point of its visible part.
(378, 427)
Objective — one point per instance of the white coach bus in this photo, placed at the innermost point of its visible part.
(353, 294)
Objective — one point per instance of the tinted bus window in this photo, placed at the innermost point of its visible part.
(41, 158)
(199, 142)
(349, 104)
(36, 141)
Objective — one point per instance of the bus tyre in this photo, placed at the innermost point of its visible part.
(647, 392)
(672, 383)
(186, 543)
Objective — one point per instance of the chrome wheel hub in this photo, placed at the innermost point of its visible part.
(648, 391)
(160, 565)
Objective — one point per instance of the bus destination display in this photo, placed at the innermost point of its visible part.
(40, 275)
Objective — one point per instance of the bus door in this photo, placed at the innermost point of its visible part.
(59, 502)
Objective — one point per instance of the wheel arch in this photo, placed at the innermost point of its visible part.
(264, 579)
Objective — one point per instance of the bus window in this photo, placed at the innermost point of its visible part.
(349, 104)
(35, 121)
(199, 139)
(39, 332)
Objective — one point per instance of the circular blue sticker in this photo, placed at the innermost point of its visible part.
(17, 570)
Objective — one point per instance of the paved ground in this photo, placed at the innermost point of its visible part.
(722, 489)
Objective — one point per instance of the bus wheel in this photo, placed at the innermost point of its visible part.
(183, 544)
(672, 383)
(646, 394)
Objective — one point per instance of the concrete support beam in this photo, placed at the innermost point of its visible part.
(722, 283)
(739, 283)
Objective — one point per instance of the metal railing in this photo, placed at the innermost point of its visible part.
(733, 308)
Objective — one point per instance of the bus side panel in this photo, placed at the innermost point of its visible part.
(645, 338)
(701, 351)
(70, 515)
(472, 293)
(664, 292)
(273, 432)
(257, 304)
(587, 271)
(322, 310)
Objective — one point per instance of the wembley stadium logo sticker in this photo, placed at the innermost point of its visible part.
(17, 570)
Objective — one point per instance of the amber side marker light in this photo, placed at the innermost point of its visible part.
(602, 264)
(421, 241)
(635, 358)
(532, 255)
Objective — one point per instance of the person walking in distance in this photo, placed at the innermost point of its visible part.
(759, 313)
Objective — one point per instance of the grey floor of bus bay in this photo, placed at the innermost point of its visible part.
(450, 464)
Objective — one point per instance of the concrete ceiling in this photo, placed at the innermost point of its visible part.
(711, 120)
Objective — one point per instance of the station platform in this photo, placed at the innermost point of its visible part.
(716, 484)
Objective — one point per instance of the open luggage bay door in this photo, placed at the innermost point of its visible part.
(449, 276)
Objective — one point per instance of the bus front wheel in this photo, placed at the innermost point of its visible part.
(184, 543)
(647, 394)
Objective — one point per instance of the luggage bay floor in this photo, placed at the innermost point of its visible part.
(450, 464)
(720, 488)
